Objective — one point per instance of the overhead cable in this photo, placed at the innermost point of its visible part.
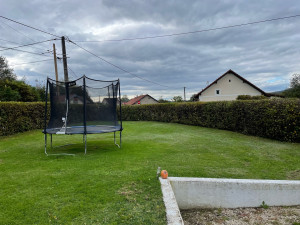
(34, 53)
(197, 31)
(19, 32)
(13, 42)
(26, 45)
(30, 26)
(31, 62)
(118, 67)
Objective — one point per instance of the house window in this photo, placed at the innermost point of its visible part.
(217, 92)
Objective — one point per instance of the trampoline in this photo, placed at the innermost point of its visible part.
(83, 106)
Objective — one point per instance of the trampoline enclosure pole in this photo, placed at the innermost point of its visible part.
(84, 112)
(85, 144)
(45, 144)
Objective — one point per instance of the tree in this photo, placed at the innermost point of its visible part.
(161, 100)
(7, 94)
(5, 71)
(14, 90)
(194, 98)
(177, 99)
(294, 90)
(124, 99)
(295, 81)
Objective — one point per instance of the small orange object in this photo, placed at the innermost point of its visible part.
(164, 174)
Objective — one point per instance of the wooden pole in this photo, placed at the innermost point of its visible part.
(63, 45)
(55, 62)
(184, 93)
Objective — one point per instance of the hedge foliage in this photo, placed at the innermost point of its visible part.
(276, 118)
(21, 116)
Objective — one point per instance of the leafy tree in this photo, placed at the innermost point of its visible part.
(294, 90)
(194, 98)
(13, 90)
(161, 100)
(177, 99)
(295, 81)
(7, 94)
(5, 71)
(124, 99)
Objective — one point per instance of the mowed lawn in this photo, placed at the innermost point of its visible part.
(119, 186)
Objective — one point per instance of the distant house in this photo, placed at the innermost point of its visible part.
(107, 101)
(74, 99)
(228, 87)
(142, 100)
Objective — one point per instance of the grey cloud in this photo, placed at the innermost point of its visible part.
(265, 54)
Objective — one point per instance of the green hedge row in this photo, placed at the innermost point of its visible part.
(21, 116)
(277, 119)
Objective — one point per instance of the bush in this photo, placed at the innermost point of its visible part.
(21, 116)
(249, 97)
(276, 118)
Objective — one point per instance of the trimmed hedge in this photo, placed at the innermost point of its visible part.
(276, 119)
(21, 116)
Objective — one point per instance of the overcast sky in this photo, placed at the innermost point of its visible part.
(266, 54)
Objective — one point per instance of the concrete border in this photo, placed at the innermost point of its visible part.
(172, 210)
(233, 193)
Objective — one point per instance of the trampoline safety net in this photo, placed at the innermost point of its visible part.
(83, 106)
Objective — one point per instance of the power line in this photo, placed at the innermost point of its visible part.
(31, 62)
(69, 68)
(13, 42)
(34, 53)
(197, 31)
(29, 26)
(26, 45)
(19, 32)
(118, 67)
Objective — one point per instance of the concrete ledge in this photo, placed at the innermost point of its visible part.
(233, 193)
(172, 210)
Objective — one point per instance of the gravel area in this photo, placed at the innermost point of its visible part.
(241, 216)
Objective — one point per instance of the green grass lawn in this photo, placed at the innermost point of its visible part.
(119, 186)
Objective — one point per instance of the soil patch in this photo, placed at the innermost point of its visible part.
(241, 216)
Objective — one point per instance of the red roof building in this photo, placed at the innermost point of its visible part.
(142, 100)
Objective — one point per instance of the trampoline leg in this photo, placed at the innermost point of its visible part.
(85, 144)
(120, 139)
(119, 146)
(51, 140)
(46, 144)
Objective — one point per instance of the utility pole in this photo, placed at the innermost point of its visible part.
(184, 93)
(63, 45)
(55, 62)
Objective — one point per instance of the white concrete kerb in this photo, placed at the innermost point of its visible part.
(172, 210)
(189, 193)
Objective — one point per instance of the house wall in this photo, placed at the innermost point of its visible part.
(228, 90)
(147, 100)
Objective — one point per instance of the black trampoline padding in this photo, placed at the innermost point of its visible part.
(93, 129)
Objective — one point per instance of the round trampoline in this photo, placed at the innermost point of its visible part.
(83, 106)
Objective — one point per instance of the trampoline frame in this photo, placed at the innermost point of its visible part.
(84, 112)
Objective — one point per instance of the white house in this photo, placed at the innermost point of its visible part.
(228, 87)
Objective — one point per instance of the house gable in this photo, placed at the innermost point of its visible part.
(143, 99)
(228, 87)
